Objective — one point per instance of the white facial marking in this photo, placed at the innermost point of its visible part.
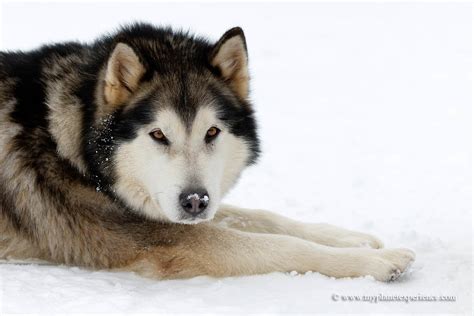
(151, 176)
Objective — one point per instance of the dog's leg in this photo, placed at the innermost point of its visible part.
(258, 221)
(207, 249)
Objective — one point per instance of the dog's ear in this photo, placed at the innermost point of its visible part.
(229, 56)
(123, 73)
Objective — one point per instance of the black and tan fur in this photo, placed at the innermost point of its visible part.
(65, 112)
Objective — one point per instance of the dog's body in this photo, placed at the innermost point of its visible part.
(109, 151)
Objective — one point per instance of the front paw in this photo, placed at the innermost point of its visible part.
(388, 264)
(360, 240)
(334, 236)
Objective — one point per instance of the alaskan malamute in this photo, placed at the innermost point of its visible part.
(116, 155)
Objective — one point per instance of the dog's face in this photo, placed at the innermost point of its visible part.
(180, 170)
(172, 145)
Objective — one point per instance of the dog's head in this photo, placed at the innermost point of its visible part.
(173, 128)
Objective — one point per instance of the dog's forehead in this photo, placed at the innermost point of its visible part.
(170, 120)
(185, 94)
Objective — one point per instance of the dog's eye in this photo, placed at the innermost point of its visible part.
(212, 134)
(158, 135)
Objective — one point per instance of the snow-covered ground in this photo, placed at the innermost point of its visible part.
(365, 116)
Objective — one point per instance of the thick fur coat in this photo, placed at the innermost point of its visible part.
(116, 154)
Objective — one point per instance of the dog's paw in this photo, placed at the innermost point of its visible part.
(359, 240)
(388, 264)
(334, 236)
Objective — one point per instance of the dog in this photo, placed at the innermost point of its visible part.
(116, 155)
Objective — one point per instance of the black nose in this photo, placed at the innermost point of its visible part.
(194, 201)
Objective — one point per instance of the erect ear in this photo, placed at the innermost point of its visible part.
(229, 55)
(123, 73)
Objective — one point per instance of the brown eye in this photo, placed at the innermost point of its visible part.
(212, 134)
(158, 135)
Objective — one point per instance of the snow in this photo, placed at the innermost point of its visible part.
(193, 196)
(365, 116)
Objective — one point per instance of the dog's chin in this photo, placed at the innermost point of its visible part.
(188, 219)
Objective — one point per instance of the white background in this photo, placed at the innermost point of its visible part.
(365, 116)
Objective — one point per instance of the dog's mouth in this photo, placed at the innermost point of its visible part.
(186, 218)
